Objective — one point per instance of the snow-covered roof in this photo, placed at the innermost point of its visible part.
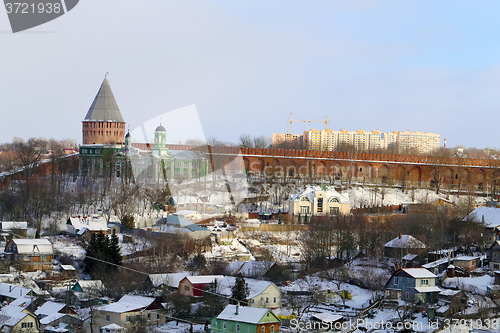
(435, 263)
(327, 317)
(449, 292)
(14, 225)
(128, 303)
(405, 241)
(52, 317)
(418, 273)
(10, 315)
(466, 258)
(23, 301)
(92, 223)
(204, 278)
(185, 212)
(245, 314)
(409, 256)
(49, 308)
(68, 267)
(491, 216)
(330, 192)
(255, 287)
(12, 290)
(91, 285)
(30, 246)
(168, 279)
(428, 289)
(113, 327)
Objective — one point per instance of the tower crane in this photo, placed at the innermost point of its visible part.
(291, 121)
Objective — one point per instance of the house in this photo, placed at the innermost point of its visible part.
(53, 314)
(454, 300)
(193, 285)
(412, 285)
(436, 206)
(468, 262)
(236, 318)
(13, 229)
(191, 215)
(494, 252)
(10, 292)
(262, 294)
(87, 293)
(317, 201)
(30, 254)
(86, 225)
(489, 218)
(403, 245)
(67, 271)
(127, 309)
(175, 224)
(17, 319)
(166, 281)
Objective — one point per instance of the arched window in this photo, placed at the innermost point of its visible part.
(306, 199)
(333, 200)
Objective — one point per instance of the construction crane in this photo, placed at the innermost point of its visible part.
(291, 121)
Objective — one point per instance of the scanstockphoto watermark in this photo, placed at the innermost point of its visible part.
(26, 14)
(311, 169)
(360, 323)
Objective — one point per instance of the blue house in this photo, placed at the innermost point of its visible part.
(416, 285)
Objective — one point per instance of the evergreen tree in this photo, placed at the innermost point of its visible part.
(114, 254)
(212, 303)
(103, 248)
(240, 291)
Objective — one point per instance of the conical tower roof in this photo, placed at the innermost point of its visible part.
(104, 107)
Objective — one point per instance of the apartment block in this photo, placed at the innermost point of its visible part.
(328, 140)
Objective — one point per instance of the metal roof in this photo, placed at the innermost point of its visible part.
(104, 107)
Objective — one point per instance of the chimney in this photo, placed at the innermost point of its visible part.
(400, 235)
(450, 271)
(237, 308)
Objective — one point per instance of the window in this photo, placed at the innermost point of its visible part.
(304, 210)
(396, 280)
(27, 325)
(334, 210)
(263, 329)
(334, 200)
(149, 316)
(224, 325)
(424, 282)
(157, 316)
(186, 288)
(127, 319)
(408, 295)
(237, 327)
(320, 205)
(267, 299)
(275, 300)
(306, 199)
(496, 266)
(272, 328)
(108, 318)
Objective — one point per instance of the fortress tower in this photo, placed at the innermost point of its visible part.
(103, 123)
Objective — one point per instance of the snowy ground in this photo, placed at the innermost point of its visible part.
(228, 248)
(476, 285)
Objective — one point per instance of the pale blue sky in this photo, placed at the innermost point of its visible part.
(246, 65)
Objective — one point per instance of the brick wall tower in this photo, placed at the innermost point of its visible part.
(103, 123)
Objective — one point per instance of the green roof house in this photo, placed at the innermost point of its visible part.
(236, 318)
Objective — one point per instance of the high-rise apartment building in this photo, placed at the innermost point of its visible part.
(328, 140)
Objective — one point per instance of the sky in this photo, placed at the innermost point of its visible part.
(432, 66)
